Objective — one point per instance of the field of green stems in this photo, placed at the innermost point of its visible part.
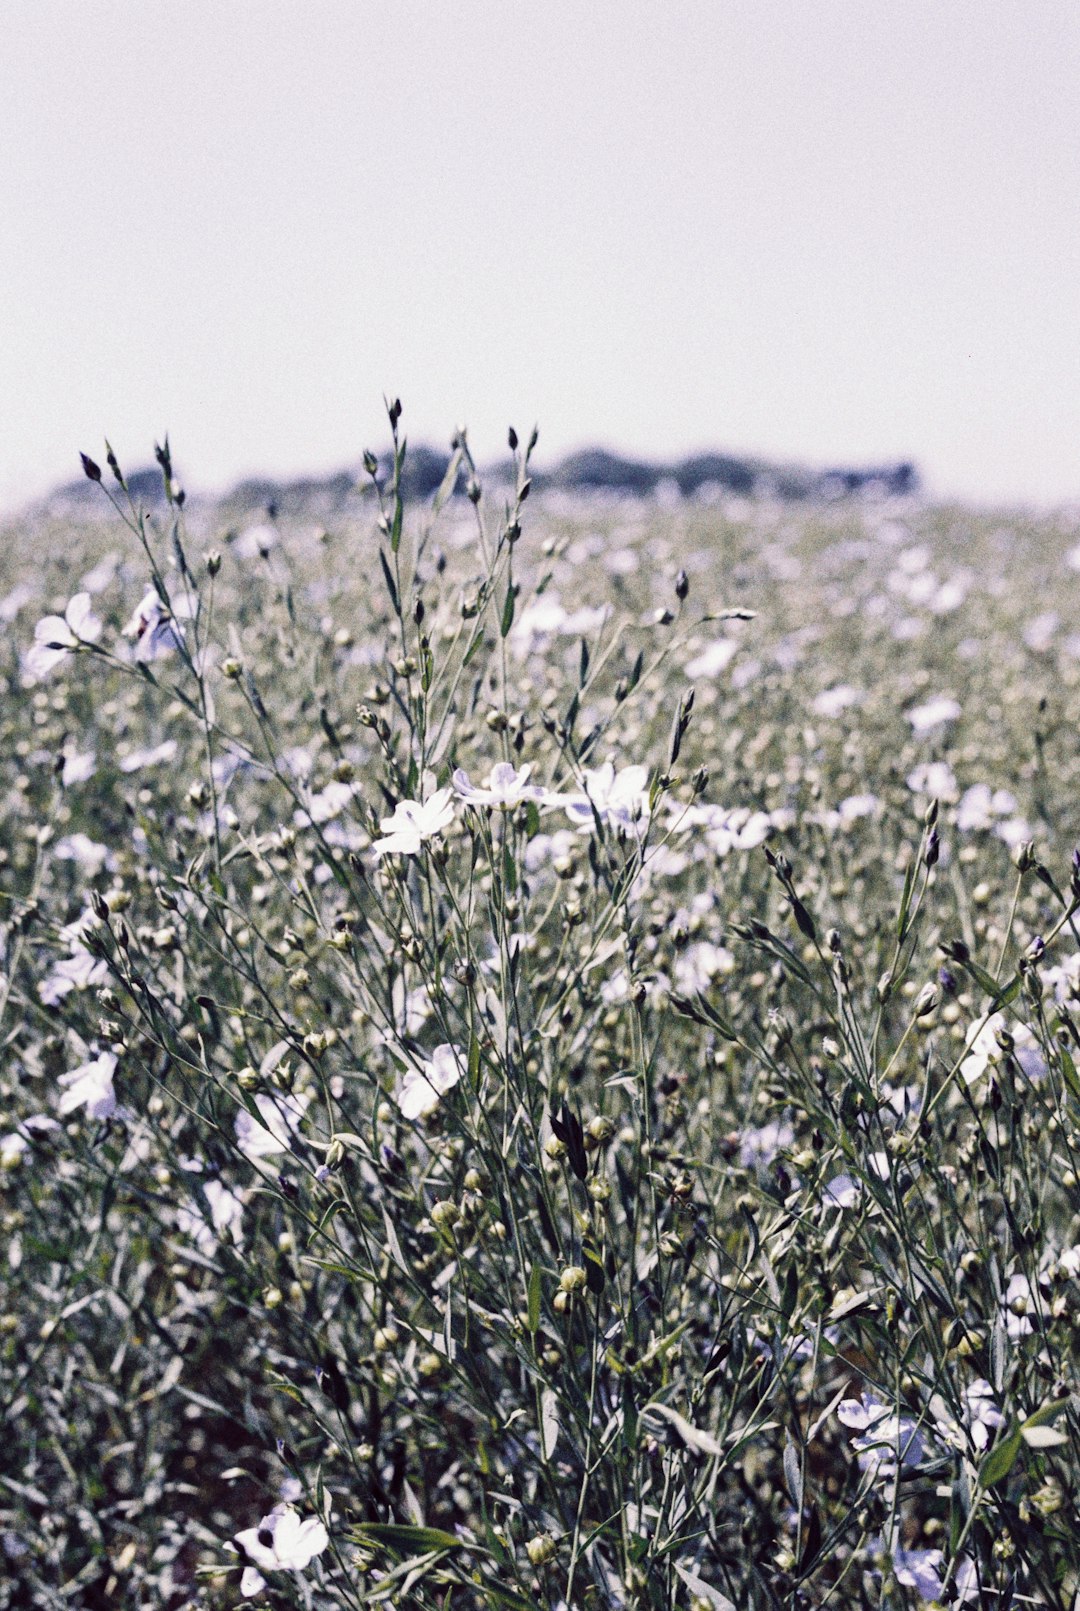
(540, 1051)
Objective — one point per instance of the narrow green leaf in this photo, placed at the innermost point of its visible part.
(535, 1293)
(508, 609)
(398, 1536)
(388, 578)
(1001, 1459)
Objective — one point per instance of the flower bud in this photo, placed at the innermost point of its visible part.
(540, 1549)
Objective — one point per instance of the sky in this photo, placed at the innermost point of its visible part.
(844, 231)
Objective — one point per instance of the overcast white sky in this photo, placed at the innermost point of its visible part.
(827, 230)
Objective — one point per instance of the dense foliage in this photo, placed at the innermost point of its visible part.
(540, 1053)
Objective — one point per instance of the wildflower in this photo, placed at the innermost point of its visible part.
(79, 765)
(888, 1437)
(135, 760)
(712, 660)
(934, 713)
(934, 778)
(834, 701)
(91, 1086)
(154, 629)
(758, 1147)
(77, 971)
(619, 799)
(280, 1118)
(280, 1543)
(56, 636)
(413, 822)
(327, 804)
(842, 1192)
(505, 787)
(980, 807)
(87, 854)
(980, 1417)
(13, 1148)
(987, 1045)
(700, 963)
(1018, 1304)
(422, 1088)
(921, 1570)
(226, 1213)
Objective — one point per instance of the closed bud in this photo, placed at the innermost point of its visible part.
(682, 586)
(926, 1000)
(91, 470)
(540, 1549)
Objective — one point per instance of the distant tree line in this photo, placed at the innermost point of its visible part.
(588, 470)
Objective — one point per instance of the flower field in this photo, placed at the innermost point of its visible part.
(540, 1043)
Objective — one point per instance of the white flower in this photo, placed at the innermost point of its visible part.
(226, 1213)
(78, 766)
(833, 701)
(326, 805)
(413, 822)
(56, 636)
(153, 628)
(842, 1192)
(87, 853)
(505, 787)
(919, 1569)
(620, 799)
(888, 1437)
(985, 1049)
(700, 963)
(281, 1116)
(935, 713)
(979, 806)
(980, 1415)
(280, 1543)
(135, 760)
(421, 1088)
(712, 660)
(934, 778)
(12, 1149)
(758, 1147)
(91, 1086)
(77, 971)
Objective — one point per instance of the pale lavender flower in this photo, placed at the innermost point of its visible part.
(282, 1542)
(79, 765)
(933, 714)
(505, 787)
(57, 636)
(620, 799)
(91, 1086)
(980, 1417)
(934, 778)
(135, 760)
(758, 1147)
(842, 1192)
(834, 701)
(888, 1437)
(422, 1088)
(279, 1119)
(414, 822)
(226, 1214)
(154, 628)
